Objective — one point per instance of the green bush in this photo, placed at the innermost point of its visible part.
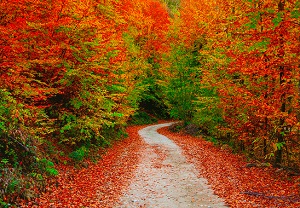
(46, 166)
(11, 183)
(208, 115)
(51, 171)
(79, 154)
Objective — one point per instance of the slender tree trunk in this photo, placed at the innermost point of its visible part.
(280, 137)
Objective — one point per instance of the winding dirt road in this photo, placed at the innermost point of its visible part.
(164, 178)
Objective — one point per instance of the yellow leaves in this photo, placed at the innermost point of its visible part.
(79, 9)
(50, 60)
(274, 146)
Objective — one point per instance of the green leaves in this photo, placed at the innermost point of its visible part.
(261, 46)
(295, 14)
(47, 166)
(79, 154)
(2, 126)
(254, 18)
(116, 114)
(182, 86)
(278, 19)
(279, 145)
(117, 88)
(76, 103)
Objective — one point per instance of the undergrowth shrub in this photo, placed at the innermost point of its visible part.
(45, 165)
(140, 118)
(208, 115)
(192, 129)
(176, 127)
(18, 182)
(11, 183)
(22, 173)
(79, 154)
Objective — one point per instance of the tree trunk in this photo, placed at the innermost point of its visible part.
(280, 137)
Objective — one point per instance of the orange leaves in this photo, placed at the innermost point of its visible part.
(253, 49)
(148, 22)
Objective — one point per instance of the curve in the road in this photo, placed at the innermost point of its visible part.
(164, 179)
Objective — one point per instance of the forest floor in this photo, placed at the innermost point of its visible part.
(232, 180)
(152, 171)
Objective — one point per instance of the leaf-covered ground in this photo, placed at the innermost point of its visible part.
(232, 180)
(100, 184)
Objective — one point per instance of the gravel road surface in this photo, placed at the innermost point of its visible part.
(164, 179)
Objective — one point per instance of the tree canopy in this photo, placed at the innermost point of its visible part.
(74, 74)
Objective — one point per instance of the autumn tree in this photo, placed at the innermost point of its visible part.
(249, 66)
(263, 49)
(72, 72)
(146, 38)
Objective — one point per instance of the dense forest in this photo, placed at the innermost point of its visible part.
(75, 73)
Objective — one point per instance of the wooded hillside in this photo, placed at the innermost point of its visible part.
(74, 74)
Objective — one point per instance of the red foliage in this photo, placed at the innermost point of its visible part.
(150, 21)
(232, 180)
(255, 50)
(100, 184)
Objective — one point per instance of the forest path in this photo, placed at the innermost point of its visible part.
(165, 179)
